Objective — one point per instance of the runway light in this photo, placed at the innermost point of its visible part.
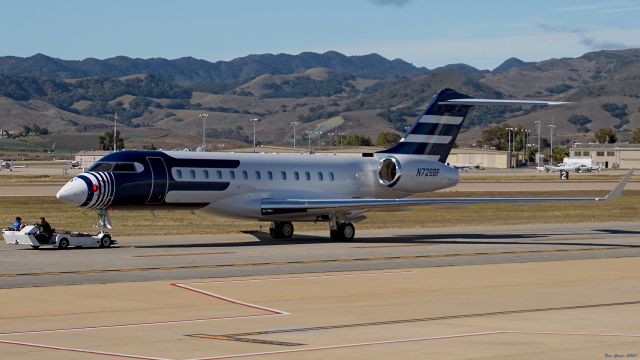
(95, 188)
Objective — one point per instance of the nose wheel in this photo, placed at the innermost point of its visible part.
(281, 230)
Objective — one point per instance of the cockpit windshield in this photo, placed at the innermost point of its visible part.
(101, 166)
(120, 167)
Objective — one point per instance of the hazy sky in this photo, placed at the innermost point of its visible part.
(425, 33)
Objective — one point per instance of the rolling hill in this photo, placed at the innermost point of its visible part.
(158, 100)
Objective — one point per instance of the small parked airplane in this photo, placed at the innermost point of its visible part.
(282, 188)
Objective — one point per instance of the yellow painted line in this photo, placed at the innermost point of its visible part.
(303, 262)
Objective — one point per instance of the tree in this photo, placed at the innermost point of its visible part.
(604, 136)
(635, 136)
(387, 139)
(106, 140)
(559, 153)
(497, 137)
(357, 140)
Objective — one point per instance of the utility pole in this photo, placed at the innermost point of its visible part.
(539, 136)
(115, 131)
(204, 130)
(254, 121)
(551, 126)
(294, 134)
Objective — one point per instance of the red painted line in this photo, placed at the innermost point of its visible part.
(232, 301)
(93, 352)
(330, 347)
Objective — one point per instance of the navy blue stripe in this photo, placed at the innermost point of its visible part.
(89, 189)
(197, 186)
(435, 129)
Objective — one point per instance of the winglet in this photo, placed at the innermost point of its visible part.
(617, 191)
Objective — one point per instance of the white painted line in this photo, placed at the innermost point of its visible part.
(95, 352)
(570, 333)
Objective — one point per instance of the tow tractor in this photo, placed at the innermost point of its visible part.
(32, 235)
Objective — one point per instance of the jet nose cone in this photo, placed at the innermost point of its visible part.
(74, 192)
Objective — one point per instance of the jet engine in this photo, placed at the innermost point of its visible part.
(389, 171)
(414, 174)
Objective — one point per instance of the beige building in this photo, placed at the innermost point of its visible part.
(483, 157)
(623, 156)
(87, 158)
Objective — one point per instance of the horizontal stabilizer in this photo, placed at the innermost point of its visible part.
(474, 102)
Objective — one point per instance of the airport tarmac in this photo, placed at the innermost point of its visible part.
(527, 292)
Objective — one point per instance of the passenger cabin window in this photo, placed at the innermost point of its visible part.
(101, 167)
(206, 174)
(320, 177)
(257, 175)
(307, 175)
(192, 174)
(331, 177)
(124, 167)
(245, 176)
(219, 174)
(283, 175)
(179, 174)
(232, 174)
(296, 175)
(269, 175)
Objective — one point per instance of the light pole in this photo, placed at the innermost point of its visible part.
(319, 136)
(330, 140)
(539, 135)
(294, 124)
(204, 129)
(509, 147)
(309, 132)
(115, 131)
(254, 121)
(341, 134)
(525, 147)
(551, 127)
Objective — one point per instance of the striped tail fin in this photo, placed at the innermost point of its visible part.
(436, 129)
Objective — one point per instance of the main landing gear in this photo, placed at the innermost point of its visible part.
(337, 230)
(281, 230)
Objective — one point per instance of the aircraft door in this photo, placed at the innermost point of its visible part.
(160, 181)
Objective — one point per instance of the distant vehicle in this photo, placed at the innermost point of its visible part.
(581, 168)
(466, 166)
(283, 188)
(561, 167)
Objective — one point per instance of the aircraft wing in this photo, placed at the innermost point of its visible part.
(274, 206)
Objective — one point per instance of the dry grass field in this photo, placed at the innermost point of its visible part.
(63, 216)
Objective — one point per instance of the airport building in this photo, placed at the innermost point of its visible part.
(87, 158)
(623, 156)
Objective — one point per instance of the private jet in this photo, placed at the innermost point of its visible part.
(285, 188)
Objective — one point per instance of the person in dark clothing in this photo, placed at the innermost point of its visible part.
(45, 230)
